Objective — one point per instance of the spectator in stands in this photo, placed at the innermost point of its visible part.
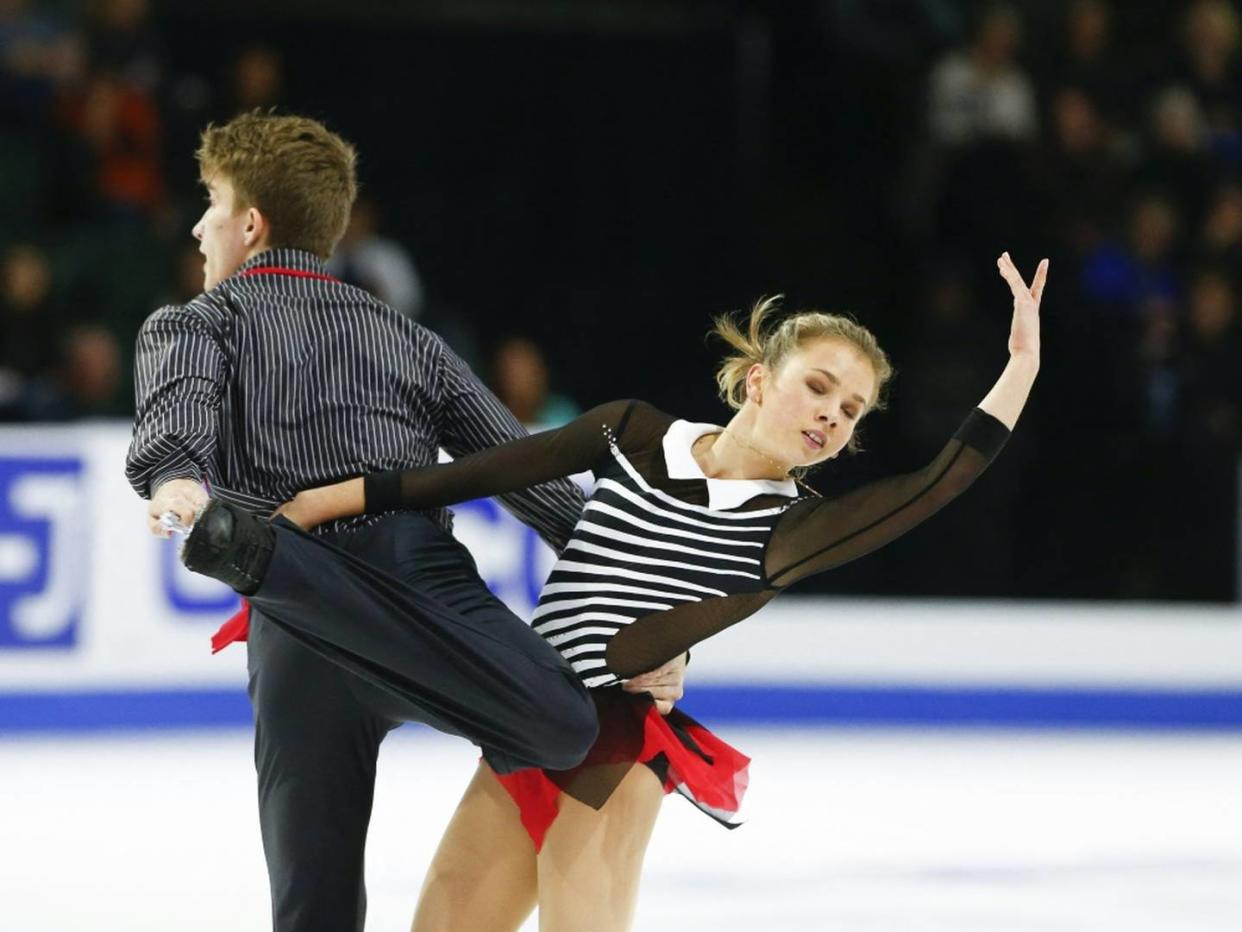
(187, 276)
(123, 42)
(370, 260)
(1154, 375)
(1121, 277)
(948, 361)
(89, 378)
(257, 80)
(1087, 59)
(30, 325)
(1203, 529)
(1221, 239)
(520, 380)
(1211, 67)
(1210, 400)
(983, 122)
(119, 125)
(1082, 174)
(1176, 160)
(39, 53)
(29, 318)
(981, 92)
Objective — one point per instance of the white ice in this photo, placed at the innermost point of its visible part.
(865, 831)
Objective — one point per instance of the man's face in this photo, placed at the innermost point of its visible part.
(225, 233)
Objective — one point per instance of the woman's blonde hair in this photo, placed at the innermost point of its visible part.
(771, 343)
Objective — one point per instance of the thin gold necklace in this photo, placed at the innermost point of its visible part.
(753, 449)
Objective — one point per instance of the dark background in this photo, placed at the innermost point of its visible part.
(604, 177)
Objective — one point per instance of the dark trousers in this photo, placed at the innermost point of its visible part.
(352, 634)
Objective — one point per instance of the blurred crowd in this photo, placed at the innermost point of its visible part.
(1113, 144)
(1106, 135)
(98, 193)
(1126, 168)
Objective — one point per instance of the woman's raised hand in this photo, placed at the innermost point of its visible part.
(1024, 332)
(1008, 396)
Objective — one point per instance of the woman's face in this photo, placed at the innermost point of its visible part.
(806, 411)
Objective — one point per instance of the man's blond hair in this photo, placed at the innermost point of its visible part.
(295, 171)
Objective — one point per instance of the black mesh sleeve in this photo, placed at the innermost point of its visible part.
(519, 464)
(818, 535)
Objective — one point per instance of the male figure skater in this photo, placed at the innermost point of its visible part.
(278, 378)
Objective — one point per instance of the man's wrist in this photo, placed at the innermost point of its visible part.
(179, 474)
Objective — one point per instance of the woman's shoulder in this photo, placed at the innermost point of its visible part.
(631, 423)
(640, 423)
(627, 413)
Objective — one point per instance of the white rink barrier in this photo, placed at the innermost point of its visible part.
(101, 627)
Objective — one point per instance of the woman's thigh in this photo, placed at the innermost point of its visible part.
(483, 875)
(591, 862)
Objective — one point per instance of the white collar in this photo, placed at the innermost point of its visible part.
(722, 494)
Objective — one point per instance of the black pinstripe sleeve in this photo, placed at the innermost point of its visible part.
(179, 376)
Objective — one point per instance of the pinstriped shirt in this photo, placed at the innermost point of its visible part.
(281, 378)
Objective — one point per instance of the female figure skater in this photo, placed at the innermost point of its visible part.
(691, 528)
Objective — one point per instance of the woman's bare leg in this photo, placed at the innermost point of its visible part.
(483, 875)
(591, 860)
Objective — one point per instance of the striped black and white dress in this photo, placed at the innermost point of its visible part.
(639, 549)
(664, 557)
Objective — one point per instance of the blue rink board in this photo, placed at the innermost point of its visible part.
(784, 705)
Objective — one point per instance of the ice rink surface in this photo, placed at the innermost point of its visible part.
(865, 831)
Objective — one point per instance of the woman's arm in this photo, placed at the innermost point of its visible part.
(518, 464)
(313, 507)
(816, 536)
(1008, 396)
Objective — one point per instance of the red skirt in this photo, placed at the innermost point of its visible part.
(686, 757)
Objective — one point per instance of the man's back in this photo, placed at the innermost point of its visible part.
(281, 378)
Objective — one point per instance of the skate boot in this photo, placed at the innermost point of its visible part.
(230, 545)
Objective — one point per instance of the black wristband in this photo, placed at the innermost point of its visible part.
(982, 432)
(382, 492)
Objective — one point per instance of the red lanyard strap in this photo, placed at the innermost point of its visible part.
(280, 270)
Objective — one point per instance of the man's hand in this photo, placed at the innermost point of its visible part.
(183, 497)
(665, 684)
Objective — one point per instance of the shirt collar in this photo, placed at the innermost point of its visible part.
(296, 259)
(722, 494)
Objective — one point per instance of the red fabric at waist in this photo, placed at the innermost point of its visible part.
(236, 628)
(687, 757)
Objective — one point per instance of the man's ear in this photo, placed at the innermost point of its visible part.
(257, 229)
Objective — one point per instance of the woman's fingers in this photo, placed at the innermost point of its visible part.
(1009, 272)
(1041, 276)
